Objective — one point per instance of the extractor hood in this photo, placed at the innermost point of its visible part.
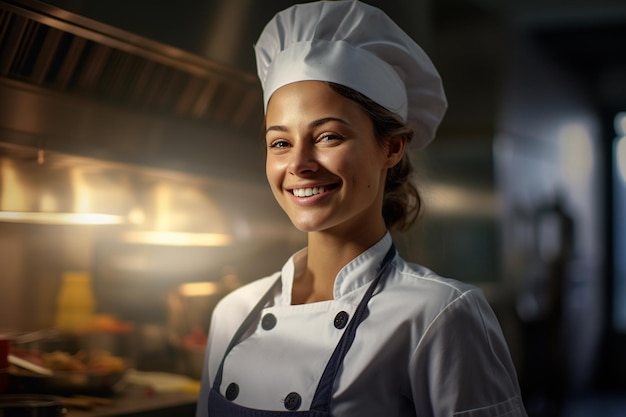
(77, 86)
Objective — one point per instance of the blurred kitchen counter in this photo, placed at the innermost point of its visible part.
(141, 402)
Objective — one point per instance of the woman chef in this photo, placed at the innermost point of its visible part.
(347, 327)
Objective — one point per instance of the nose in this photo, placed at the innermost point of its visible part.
(302, 160)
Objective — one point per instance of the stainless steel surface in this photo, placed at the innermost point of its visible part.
(77, 86)
(48, 187)
(28, 405)
(52, 47)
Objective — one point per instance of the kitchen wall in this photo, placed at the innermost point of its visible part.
(550, 175)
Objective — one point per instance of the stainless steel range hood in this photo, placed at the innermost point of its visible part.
(77, 86)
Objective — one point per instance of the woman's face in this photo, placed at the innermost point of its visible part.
(324, 164)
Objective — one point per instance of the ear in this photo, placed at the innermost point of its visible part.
(394, 148)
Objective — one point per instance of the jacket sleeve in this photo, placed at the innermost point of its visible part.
(462, 366)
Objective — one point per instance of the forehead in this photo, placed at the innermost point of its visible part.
(310, 100)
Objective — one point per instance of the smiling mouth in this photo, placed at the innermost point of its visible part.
(309, 192)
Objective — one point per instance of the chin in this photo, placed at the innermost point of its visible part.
(305, 228)
(307, 225)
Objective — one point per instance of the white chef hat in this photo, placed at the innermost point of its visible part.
(358, 46)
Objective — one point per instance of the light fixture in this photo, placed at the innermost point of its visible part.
(60, 218)
(35, 190)
(165, 238)
(199, 289)
(178, 213)
(153, 207)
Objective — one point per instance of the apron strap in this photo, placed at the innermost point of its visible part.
(243, 328)
(324, 391)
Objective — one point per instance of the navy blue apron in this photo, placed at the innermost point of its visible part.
(220, 406)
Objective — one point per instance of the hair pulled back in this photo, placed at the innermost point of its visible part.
(402, 203)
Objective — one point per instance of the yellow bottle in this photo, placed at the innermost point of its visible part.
(75, 301)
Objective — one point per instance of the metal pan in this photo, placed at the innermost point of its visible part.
(65, 382)
(84, 371)
(30, 406)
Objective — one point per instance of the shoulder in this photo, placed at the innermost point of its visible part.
(239, 303)
(431, 288)
(459, 350)
(228, 315)
(451, 308)
(432, 302)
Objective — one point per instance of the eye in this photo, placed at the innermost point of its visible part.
(279, 144)
(329, 137)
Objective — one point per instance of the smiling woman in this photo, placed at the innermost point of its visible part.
(340, 154)
(347, 327)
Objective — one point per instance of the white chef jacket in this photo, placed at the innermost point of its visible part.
(428, 346)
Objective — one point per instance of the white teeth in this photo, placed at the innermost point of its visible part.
(307, 192)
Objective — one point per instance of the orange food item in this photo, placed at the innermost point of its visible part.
(107, 323)
(95, 361)
(63, 362)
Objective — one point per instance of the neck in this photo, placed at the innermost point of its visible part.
(328, 253)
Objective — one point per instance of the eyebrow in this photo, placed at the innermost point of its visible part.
(312, 125)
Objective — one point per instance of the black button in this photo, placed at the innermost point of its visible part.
(268, 322)
(232, 391)
(341, 319)
(293, 401)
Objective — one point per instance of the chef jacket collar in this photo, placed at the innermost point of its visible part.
(358, 272)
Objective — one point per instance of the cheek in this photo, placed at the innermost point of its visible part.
(275, 175)
(362, 169)
(271, 169)
(274, 181)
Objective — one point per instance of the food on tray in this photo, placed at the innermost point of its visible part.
(62, 361)
(104, 361)
(99, 361)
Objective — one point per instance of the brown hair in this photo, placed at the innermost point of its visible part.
(402, 203)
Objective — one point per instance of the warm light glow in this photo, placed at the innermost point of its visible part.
(60, 218)
(153, 237)
(12, 194)
(620, 156)
(136, 216)
(82, 192)
(450, 199)
(576, 150)
(48, 202)
(198, 289)
(163, 202)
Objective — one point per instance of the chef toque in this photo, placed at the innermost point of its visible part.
(358, 46)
